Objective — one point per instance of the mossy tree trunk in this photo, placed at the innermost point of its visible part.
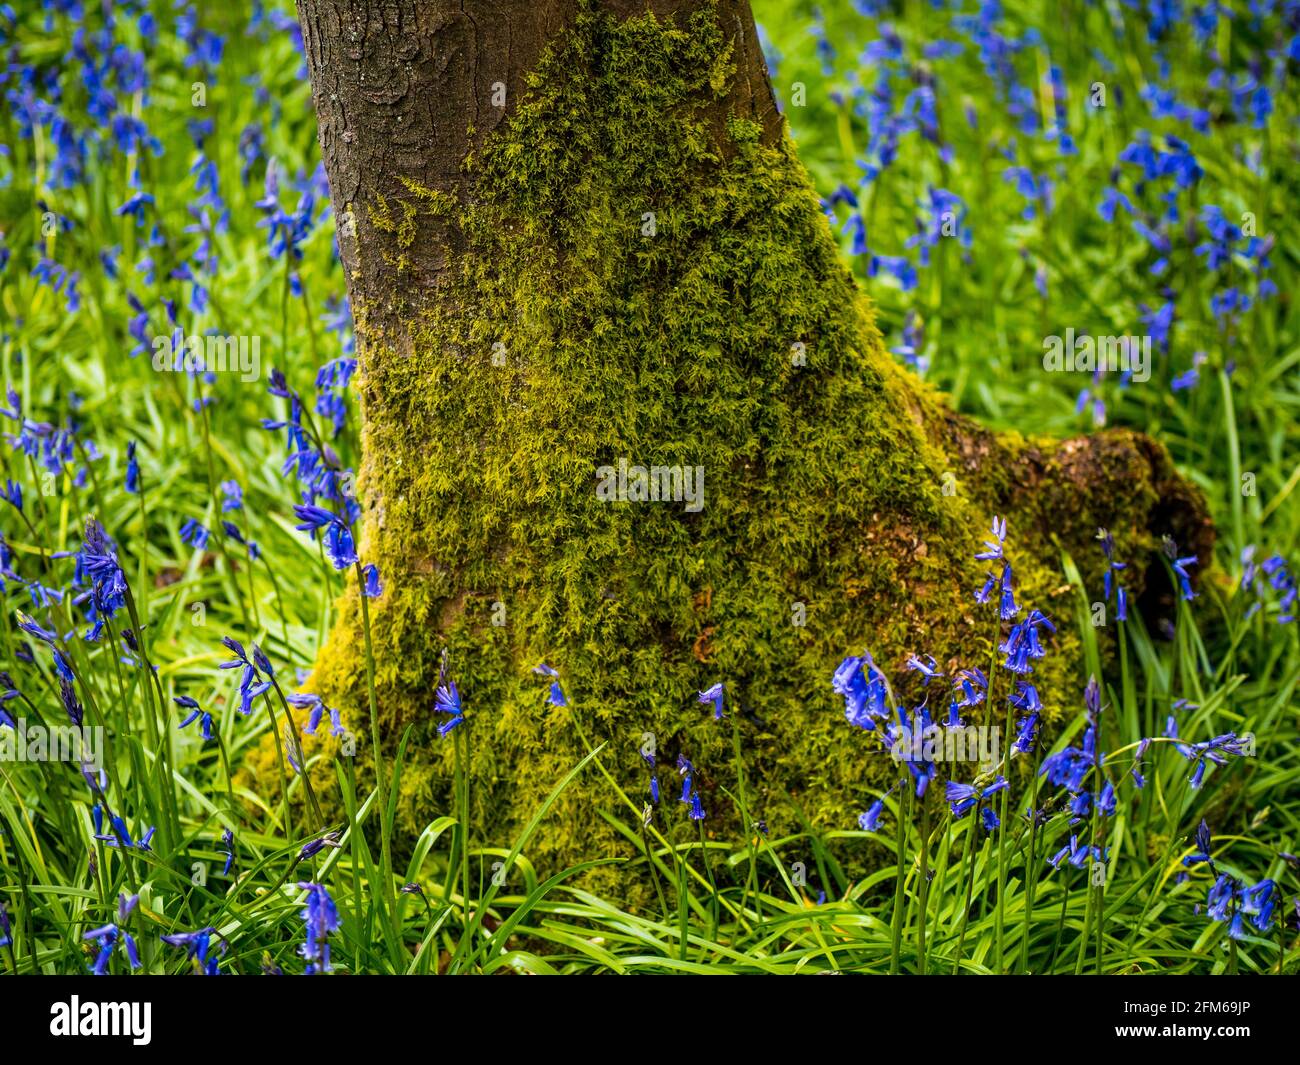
(576, 234)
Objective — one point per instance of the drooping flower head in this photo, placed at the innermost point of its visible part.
(555, 697)
(713, 695)
(321, 918)
(198, 948)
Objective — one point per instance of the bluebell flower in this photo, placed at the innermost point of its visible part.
(316, 712)
(864, 689)
(1025, 697)
(97, 565)
(447, 701)
(1026, 734)
(196, 713)
(339, 544)
(197, 946)
(261, 662)
(1184, 578)
(1007, 608)
(108, 936)
(969, 687)
(713, 695)
(121, 836)
(1092, 696)
(371, 586)
(13, 494)
(913, 343)
(314, 846)
(1273, 573)
(1230, 900)
(1112, 199)
(1023, 644)
(321, 918)
(963, 797)
(649, 760)
(926, 666)
(993, 546)
(132, 469)
(68, 696)
(1113, 568)
(869, 820)
(1077, 854)
(555, 697)
(1202, 851)
(1214, 751)
(195, 534)
(690, 793)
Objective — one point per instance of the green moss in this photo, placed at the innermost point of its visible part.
(824, 482)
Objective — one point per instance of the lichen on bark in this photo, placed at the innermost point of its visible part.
(844, 500)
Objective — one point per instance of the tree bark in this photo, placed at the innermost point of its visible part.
(626, 261)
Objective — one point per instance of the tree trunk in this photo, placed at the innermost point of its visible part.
(576, 236)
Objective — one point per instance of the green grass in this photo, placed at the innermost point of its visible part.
(940, 895)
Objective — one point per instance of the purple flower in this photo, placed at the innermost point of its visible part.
(195, 713)
(713, 695)
(197, 945)
(555, 697)
(321, 918)
(339, 544)
(447, 701)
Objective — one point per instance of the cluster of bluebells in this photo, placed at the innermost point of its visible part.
(1167, 190)
(899, 104)
(333, 379)
(869, 703)
(316, 712)
(963, 798)
(321, 479)
(1272, 575)
(1023, 643)
(198, 949)
(287, 231)
(690, 792)
(321, 919)
(447, 701)
(58, 450)
(1114, 569)
(107, 937)
(256, 674)
(1230, 900)
(1079, 769)
(94, 103)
